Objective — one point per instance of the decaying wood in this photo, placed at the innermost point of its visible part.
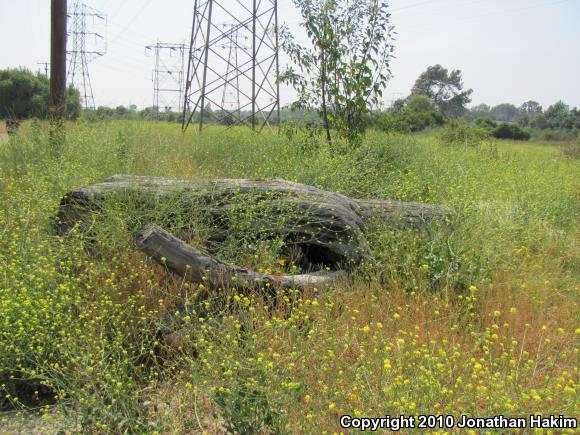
(328, 225)
(196, 266)
(410, 214)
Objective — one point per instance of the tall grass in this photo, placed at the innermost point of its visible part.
(481, 318)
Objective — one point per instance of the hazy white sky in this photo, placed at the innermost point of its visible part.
(508, 50)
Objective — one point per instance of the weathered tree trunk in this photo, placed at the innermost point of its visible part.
(195, 266)
(409, 214)
(327, 225)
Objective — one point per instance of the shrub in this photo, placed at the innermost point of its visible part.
(419, 113)
(486, 123)
(511, 131)
(457, 132)
(557, 135)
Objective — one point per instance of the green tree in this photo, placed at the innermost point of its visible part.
(25, 95)
(420, 113)
(417, 113)
(575, 114)
(444, 88)
(528, 111)
(558, 116)
(480, 111)
(505, 112)
(398, 105)
(343, 74)
(531, 107)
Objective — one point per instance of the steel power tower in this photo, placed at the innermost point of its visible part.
(87, 44)
(231, 97)
(167, 76)
(250, 72)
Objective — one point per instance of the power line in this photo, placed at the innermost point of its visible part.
(514, 10)
(231, 98)
(167, 76)
(455, 6)
(46, 67)
(137, 15)
(502, 12)
(250, 72)
(414, 5)
(129, 30)
(121, 6)
(134, 74)
(105, 4)
(82, 20)
(124, 53)
(127, 63)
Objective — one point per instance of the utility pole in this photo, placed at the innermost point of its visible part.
(46, 66)
(56, 105)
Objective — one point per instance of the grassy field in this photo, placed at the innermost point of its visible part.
(480, 319)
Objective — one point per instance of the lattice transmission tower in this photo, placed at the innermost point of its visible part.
(231, 97)
(248, 73)
(86, 29)
(168, 77)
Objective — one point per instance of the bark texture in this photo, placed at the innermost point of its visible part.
(327, 226)
(195, 265)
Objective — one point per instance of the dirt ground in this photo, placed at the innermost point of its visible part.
(16, 423)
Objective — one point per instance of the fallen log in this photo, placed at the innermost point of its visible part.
(197, 266)
(327, 226)
(410, 214)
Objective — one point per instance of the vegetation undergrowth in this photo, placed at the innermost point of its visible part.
(481, 318)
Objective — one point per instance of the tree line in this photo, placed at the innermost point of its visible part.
(437, 96)
(24, 94)
(339, 77)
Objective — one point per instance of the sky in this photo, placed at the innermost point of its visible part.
(508, 50)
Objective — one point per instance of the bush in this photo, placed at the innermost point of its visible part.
(511, 131)
(557, 135)
(418, 113)
(457, 132)
(388, 122)
(486, 123)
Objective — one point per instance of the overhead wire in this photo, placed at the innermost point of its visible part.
(132, 20)
(502, 12)
(128, 63)
(515, 10)
(127, 70)
(128, 42)
(125, 30)
(414, 5)
(445, 8)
